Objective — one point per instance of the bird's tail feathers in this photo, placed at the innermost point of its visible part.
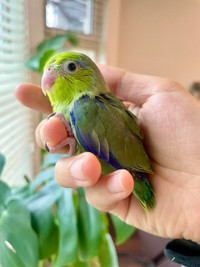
(143, 190)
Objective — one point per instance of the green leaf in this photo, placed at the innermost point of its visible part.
(47, 54)
(78, 264)
(123, 231)
(5, 193)
(34, 62)
(42, 177)
(68, 236)
(44, 225)
(18, 242)
(21, 192)
(89, 228)
(53, 43)
(10, 258)
(2, 162)
(43, 221)
(108, 255)
(105, 222)
(51, 159)
(72, 38)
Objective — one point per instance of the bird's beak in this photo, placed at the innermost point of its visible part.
(48, 79)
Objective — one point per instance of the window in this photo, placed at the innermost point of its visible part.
(16, 127)
(84, 17)
(73, 15)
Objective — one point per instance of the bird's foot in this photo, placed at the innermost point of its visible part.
(67, 145)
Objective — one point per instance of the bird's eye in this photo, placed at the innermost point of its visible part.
(70, 67)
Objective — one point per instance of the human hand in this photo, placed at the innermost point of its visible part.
(169, 118)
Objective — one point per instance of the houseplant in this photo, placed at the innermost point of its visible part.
(43, 224)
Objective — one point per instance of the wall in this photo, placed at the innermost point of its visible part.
(36, 35)
(155, 37)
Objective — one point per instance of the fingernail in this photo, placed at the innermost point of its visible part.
(76, 169)
(115, 184)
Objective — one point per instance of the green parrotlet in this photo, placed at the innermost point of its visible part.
(96, 120)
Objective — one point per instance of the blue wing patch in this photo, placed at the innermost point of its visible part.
(90, 141)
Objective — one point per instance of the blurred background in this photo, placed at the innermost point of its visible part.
(154, 37)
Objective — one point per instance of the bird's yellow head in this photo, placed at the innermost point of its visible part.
(69, 75)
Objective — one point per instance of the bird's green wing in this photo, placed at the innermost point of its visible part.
(103, 126)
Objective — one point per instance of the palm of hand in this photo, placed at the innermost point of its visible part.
(169, 118)
(171, 142)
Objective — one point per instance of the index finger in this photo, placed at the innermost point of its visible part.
(133, 87)
(30, 95)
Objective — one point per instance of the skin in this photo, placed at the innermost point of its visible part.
(169, 118)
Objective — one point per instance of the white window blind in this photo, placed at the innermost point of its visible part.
(16, 127)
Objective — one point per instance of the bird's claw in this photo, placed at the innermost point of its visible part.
(69, 142)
